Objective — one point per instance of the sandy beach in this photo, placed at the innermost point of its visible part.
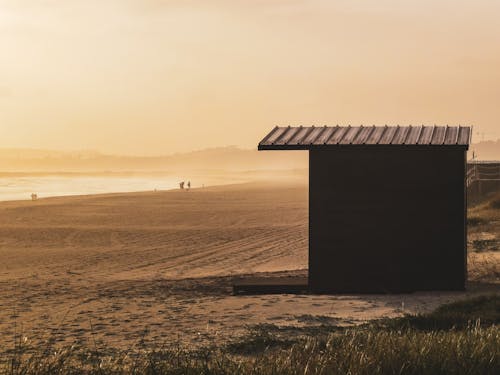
(128, 270)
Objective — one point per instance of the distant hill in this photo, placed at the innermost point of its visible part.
(216, 159)
(486, 150)
(222, 159)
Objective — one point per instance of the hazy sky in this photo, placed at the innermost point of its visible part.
(156, 77)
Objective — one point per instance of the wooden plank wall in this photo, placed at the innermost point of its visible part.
(387, 219)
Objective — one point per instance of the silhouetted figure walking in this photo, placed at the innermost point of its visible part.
(181, 185)
(189, 185)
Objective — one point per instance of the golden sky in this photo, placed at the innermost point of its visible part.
(156, 77)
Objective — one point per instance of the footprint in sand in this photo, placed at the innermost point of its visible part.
(273, 318)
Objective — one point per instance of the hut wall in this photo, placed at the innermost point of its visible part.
(387, 219)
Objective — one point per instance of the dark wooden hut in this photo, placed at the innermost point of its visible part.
(387, 206)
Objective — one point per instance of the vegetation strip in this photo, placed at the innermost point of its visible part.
(458, 338)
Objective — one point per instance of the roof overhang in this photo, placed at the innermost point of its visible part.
(311, 137)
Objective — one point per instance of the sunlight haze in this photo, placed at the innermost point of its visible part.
(157, 77)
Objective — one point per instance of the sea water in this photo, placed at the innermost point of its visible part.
(21, 188)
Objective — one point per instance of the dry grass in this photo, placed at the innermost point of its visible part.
(471, 351)
(484, 241)
(495, 202)
(486, 212)
(388, 348)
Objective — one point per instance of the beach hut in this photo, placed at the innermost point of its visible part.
(387, 206)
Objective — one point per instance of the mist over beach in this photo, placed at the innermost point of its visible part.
(55, 173)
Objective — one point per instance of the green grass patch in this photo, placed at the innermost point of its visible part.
(485, 245)
(495, 204)
(483, 310)
(475, 221)
(258, 341)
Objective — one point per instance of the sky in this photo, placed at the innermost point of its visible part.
(148, 77)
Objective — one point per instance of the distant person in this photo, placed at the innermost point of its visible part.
(181, 185)
(34, 197)
(189, 185)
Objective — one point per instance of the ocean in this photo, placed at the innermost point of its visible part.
(21, 187)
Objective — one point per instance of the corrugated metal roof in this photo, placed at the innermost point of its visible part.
(306, 137)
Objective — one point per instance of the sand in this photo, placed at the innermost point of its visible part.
(128, 270)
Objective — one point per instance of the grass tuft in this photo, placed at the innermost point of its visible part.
(475, 221)
(474, 350)
(495, 203)
(458, 338)
(258, 341)
(456, 315)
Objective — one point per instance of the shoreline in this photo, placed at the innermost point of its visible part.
(19, 186)
(146, 192)
(106, 194)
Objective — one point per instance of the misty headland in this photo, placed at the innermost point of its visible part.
(57, 173)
